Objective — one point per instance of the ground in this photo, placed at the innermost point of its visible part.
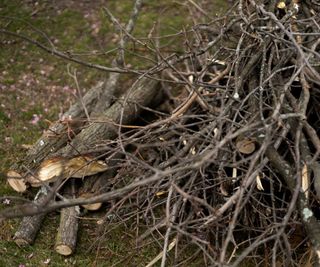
(35, 89)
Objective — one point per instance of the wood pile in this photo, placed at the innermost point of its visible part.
(222, 141)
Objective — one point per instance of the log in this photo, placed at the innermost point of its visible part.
(54, 138)
(16, 181)
(123, 111)
(99, 184)
(96, 186)
(77, 167)
(30, 225)
(127, 109)
(67, 234)
(66, 238)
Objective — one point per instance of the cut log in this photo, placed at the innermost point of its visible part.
(66, 238)
(95, 185)
(16, 181)
(67, 234)
(77, 167)
(100, 183)
(30, 225)
(56, 136)
(124, 111)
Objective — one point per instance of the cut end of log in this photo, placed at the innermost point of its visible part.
(245, 145)
(81, 166)
(63, 250)
(48, 170)
(77, 167)
(94, 206)
(16, 181)
(51, 168)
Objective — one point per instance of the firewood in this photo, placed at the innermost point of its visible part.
(54, 138)
(67, 234)
(66, 238)
(28, 230)
(96, 185)
(30, 225)
(142, 95)
(77, 167)
(71, 159)
(16, 181)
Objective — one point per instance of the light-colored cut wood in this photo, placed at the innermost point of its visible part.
(16, 181)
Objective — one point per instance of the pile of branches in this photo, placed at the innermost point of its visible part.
(214, 148)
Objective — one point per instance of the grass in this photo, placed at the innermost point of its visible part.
(36, 85)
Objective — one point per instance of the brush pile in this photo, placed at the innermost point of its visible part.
(215, 148)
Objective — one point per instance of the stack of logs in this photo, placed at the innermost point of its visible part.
(70, 148)
(49, 161)
(236, 152)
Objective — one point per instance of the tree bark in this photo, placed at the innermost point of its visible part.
(30, 225)
(57, 134)
(124, 111)
(94, 185)
(66, 239)
(67, 234)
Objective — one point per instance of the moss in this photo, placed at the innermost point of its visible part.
(4, 119)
